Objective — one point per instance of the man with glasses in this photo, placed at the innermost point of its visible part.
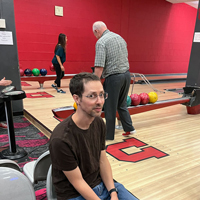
(111, 63)
(80, 167)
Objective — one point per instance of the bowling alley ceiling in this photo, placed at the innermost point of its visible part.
(189, 2)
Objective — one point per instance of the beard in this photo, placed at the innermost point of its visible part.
(94, 112)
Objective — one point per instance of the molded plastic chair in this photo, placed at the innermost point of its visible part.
(37, 170)
(51, 194)
(9, 163)
(15, 185)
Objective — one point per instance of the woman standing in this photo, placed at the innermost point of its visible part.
(58, 60)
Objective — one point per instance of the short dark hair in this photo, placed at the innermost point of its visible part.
(76, 83)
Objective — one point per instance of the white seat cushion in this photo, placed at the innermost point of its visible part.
(28, 169)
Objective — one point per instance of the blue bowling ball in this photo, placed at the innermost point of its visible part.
(28, 72)
(43, 72)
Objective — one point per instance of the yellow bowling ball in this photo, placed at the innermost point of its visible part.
(75, 106)
(153, 97)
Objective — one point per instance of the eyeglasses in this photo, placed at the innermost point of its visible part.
(94, 96)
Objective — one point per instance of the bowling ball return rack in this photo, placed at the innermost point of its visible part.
(190, 98)
(8, 95)
(42, 79)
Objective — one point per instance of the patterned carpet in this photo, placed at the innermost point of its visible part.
(32, 141)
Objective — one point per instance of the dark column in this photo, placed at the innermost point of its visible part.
(9, 66)
(193, 76)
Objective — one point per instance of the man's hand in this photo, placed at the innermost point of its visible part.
(4, 82)
(114, 196)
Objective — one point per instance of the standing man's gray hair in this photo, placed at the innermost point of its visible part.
(97, 25)
(98, 28)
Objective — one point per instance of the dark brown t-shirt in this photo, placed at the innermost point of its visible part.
(70, 147)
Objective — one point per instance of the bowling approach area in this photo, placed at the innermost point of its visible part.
(160, 162)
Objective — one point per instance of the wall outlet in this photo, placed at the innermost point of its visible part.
(2, 23)
(59, 11)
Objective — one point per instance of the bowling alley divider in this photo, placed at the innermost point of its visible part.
(65, 112)
(191, 99)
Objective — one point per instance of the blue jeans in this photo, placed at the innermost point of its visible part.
(103, 194)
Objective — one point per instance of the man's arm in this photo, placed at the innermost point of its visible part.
(76, 179)
(98, 71)
(4, 82)
(106, 174)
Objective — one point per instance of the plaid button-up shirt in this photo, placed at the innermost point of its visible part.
(111, 53)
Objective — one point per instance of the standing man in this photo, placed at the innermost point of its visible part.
(3, 82)
(111, 63)
(80, 168)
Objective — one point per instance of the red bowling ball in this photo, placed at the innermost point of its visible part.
(52, 68)
(135, 99)
(21, 71)
(144, 98)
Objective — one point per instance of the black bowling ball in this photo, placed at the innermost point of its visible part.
(28, 72)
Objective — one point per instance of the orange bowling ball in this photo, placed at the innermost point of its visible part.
(75, 106)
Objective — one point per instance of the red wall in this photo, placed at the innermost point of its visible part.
(159, 34)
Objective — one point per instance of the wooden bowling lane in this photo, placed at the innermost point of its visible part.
(158, 78)
(175, 176)
(169, 131)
